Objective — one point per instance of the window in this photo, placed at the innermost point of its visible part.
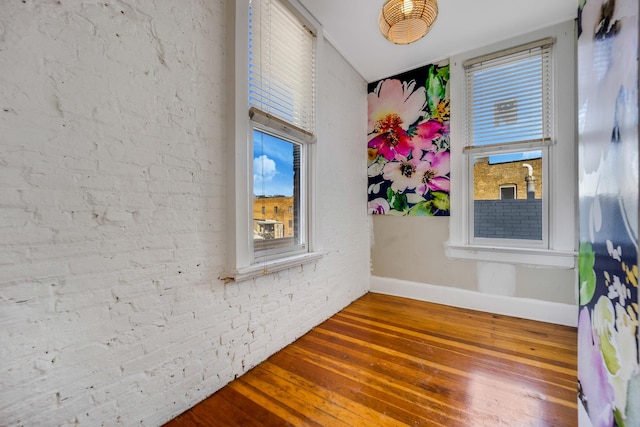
(273, 128)
(507, 192)
(513, 149)
(508, 106)
(276, 180)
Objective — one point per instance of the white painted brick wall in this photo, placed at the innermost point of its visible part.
(112, 214)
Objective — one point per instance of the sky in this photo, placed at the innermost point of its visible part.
(272, 165)
(523, 155)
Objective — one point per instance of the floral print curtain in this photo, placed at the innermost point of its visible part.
(608, 352)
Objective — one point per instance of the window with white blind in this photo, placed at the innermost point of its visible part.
(513, 149)
(509, 121)
(281, 108)
(273, 127)
(509, 96)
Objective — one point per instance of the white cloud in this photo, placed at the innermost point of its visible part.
(264, 169)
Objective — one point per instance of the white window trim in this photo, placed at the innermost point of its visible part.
(271, 255)
(480, 242)
(561, 193)
(240, 256)
(512, 186)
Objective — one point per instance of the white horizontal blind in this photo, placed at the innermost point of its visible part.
(281, 64)
(509, 97)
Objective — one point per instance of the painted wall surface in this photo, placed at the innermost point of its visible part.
(427, 263)
(112, 214)
(608, 352)
(422, 241)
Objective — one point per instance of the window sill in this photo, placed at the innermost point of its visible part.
(510, 255)
(273, 266)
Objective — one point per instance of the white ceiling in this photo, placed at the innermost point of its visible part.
(352, 27)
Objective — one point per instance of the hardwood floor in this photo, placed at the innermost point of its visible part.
(389, 361)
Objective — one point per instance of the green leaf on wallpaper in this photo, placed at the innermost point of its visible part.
(443, 72)
(603, 319)
(441, 200)
(609, 354)
(436, 88)
(398, 201)
(617, 414)
(586, 261)
(421, 209)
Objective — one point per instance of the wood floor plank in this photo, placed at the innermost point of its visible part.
(453, 386)
(272, 403)
(333, 391)
(390, 361)
(430, 363)
(439, 347)
(452, 323)
(407, 393)
(262, 415)
(521, 352)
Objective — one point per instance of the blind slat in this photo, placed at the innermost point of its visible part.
(281, 64)
(544, 43)
(508, 96)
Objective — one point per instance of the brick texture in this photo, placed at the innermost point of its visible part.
(112, 214)
(489, 177)
(508, 219)
(280, 209)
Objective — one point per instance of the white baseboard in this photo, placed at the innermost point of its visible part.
(525, 308)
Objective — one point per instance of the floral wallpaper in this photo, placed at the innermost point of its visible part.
(408, 143)
(608, 340)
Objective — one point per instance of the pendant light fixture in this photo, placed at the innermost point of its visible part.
(405, 21)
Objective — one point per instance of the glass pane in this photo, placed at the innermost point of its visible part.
(276, 187)
(507, 192)
(500, 217)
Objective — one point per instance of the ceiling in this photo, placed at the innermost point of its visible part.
(352, 27)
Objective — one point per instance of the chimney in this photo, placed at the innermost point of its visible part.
(529, 178)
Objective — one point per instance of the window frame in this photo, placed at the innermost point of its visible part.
(301, 247)
(543, 243)
(241, 260)
(558, 248)
(513, 187)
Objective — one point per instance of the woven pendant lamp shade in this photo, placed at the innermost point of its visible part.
(405, 21)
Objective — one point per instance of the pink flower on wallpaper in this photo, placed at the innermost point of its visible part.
(393, 97)
(393, 107)
(378, 206)
(392, 140)
(433, 171)
(403, 174)
(426, 133)
(592, 374)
